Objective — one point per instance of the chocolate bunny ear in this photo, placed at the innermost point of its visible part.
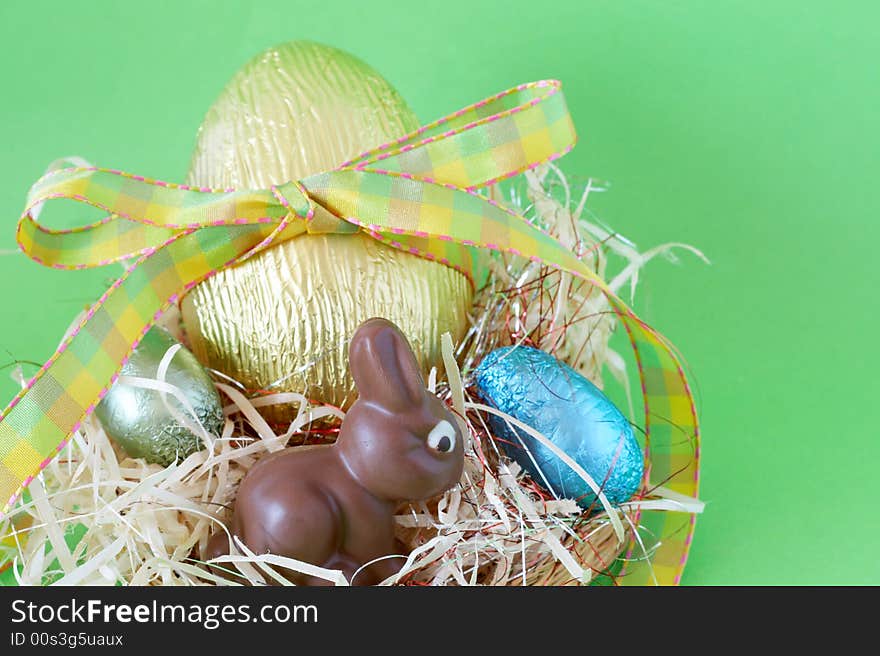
(383, 366)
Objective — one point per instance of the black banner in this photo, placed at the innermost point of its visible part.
(292, 620)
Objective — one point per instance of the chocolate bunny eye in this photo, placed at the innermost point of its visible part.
(442, 437)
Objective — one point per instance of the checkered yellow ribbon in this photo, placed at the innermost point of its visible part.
(419, 193)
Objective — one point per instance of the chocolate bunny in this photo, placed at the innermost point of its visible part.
(333, 505)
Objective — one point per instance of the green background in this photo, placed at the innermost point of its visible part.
(749, 129)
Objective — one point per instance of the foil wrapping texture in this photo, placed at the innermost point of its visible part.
(551, 397)
(282, 320)
(137, 418)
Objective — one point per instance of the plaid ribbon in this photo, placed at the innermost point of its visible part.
(418, 193)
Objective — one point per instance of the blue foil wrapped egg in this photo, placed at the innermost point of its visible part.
(551, 397)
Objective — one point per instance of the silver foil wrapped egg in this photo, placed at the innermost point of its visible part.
(551, 397)
(140, 421)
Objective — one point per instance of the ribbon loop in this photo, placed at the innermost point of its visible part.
(484, 143)
(144, 215)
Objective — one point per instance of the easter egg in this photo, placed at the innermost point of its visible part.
(137, 418)
(560, 404)
(282, 320)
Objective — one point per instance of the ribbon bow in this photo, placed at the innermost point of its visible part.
(418, 193)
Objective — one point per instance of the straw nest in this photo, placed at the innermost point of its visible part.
(95, 516)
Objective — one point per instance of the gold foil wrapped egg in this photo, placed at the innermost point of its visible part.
(282, 320)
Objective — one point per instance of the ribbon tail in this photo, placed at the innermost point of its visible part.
(39, 422)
